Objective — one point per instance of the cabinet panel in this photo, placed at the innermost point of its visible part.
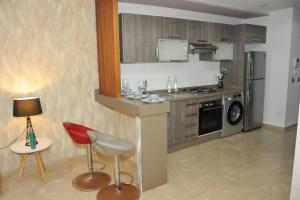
(255, 34)
(139, 37)
(228, 33)
(174, 28)
(222, 32)
(198, 30)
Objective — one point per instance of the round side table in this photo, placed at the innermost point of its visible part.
(24, 151)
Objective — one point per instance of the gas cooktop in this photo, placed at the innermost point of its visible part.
(198, 90)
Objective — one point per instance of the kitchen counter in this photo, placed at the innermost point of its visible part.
(180, 96)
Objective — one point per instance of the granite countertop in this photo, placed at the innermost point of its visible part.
(181, 96)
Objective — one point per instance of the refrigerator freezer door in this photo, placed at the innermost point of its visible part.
(254, 104)
(255, 65)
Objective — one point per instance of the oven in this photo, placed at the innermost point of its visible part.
(210, 117)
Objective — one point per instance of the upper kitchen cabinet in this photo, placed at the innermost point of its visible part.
(255, 34)
(222, 32)
(199, 31)
(174, 28)
(209, 32)
(139, 35)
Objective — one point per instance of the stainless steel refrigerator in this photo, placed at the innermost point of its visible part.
(254, 89)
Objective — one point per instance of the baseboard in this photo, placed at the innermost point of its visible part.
(278, 128)
(195, 141)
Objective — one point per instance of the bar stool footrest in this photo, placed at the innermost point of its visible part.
(127, 191)
(85, 182)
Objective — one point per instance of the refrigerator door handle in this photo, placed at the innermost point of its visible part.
(251, 66)
(249, 92)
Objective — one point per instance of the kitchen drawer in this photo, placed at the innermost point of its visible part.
(191, 107)
(191, 132)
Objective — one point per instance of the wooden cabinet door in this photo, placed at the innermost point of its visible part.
(222, 33)
(227, 33)
(176, 126)
(183, 121)
(191, 123)
(255, 34)
(174, 28)
(194, 32)
(200, 31)
(127, 38)
(139, 35)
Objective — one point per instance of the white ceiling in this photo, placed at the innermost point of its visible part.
(233, 8)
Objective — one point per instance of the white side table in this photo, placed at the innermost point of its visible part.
(24, 151)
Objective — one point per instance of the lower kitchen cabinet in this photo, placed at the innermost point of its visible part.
(183, 121)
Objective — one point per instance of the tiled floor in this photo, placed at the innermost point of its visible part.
(256, 165)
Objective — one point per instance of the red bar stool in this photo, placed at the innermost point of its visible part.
(92, 180)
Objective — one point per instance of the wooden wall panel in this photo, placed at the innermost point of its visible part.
(108, 47)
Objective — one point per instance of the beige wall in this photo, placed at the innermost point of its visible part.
(48, 49)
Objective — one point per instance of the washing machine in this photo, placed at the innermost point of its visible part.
(232, 114)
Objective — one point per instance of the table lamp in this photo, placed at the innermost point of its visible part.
(26, 107)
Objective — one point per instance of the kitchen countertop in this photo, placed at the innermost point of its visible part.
(187, 96)
(132, 107)
(138, 108)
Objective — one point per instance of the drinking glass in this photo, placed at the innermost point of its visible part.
(125, 86)
(142, 86)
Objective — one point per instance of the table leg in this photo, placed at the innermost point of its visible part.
(41, 167)
(22, 165)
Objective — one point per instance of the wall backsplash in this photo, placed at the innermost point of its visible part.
(48, 49)
(193, 73)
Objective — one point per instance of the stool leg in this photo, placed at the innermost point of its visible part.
(117, 172)
(90, 160)
(22, 165)
(41, 168)
(119, 191)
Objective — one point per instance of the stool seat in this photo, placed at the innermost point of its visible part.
(92, 180)
(78, 132)
(113, 146)
(108, 144)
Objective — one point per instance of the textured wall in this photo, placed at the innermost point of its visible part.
(48, 49)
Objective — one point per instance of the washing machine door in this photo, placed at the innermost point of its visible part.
(235, 113)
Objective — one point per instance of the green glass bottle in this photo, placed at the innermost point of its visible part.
(32, 139)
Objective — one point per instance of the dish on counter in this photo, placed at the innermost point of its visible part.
(135, 96)
(151, 100)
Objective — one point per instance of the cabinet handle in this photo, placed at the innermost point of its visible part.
(191, 135)
(224, 40)
(190, 125)
(190, 104)
(174, 37)
(256, 40)
(191, 115)
(156, 52)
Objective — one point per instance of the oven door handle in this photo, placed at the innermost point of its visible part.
(212, 108)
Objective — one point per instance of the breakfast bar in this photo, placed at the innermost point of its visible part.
(151, 137)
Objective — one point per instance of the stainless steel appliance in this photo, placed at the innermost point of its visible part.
(210, 117)
(233, 114)
(254, 88)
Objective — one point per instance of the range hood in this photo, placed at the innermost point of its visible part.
(202, 47)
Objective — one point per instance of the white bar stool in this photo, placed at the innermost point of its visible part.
(113, 146)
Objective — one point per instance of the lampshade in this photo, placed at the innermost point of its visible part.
(27, 106)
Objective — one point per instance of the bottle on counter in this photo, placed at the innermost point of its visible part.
(169, 85)
(175, 84)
